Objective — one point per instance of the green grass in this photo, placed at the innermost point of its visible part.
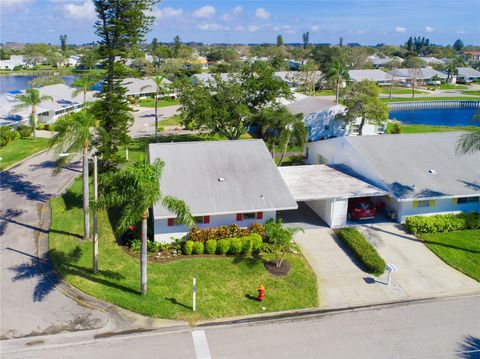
(460, 250)
(150, 102)
(399, 91)
(429, 128)
(451, 87)
(20, 149)
(409, 99)
(325, 93)
(171, 121)
(473, 92)
(225, 285)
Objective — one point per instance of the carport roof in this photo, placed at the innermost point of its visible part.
(313, 182)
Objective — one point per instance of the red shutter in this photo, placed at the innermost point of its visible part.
(259, 215)
(206, 219)
(170, 222)
(239, 217)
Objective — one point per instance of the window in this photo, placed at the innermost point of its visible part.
(463, 200)
(198, 220)
(259, 215)
(251, 215)
(422, 204)
(170, 222)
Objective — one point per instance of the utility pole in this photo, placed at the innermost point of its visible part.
(95, 216)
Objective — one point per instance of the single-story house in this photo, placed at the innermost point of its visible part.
(142, 87)
(320, 117)
(12, 62)
(432, 60)
(205, 77)
(382, 78)
(420, 75)
(422, 173)
(474, 55)
(297, 78)
(467, 74)
(378, 62)
(197, 60)
(223, 182)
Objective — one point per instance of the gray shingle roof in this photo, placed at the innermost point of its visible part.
(404, 162)
(372, 75)
(310, 104)
(468, 72)
(251, 181)
(134, 86)
(421, 74)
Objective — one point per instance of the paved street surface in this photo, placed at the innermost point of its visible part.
(30, 304)
(449, 328)
(144, 124)
(342, 281)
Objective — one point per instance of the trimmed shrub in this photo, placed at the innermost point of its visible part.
(210, 246)
(202, 235)
(443, 222)
(153, 246)
(24, 131)
(7, 135)
(236, 246)
(188, 247)
(135, 245)
(362, 250)
(257, 228)
(247, 245)
(198, 247)
(256, 242)
(223, 246)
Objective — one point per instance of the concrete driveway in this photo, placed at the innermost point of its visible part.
(342, 282)
(144, 124)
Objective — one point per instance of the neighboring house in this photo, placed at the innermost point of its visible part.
(320, 117)
(297, 78)
(143, 87)
(222, 182)
(205, 78)
(197, 60)
(378, 62)
(475, 55)
(12, 62)
(294, 65)
(72, 61)
(47, 111)
(382, 78)
(421, 172)
(423, 75)
(432, 60)
(467, 74)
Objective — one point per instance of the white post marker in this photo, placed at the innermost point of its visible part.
(391, 268)
(194, 291)
(126, 154)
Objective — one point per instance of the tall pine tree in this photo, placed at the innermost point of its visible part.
(121, 26)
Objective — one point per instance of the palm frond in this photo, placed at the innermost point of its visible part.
(468, 143)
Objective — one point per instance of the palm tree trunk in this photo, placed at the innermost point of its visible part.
(337, 94)
(33, 121)
(143, 254)
(86, 216)
(156, 116)
(360, 127)
(84, 97)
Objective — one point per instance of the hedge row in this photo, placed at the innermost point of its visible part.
(363, 250)
(9, 134)
(443, 222)
(243, 245)
(223, 232)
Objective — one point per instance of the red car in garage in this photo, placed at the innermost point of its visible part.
(361, 208)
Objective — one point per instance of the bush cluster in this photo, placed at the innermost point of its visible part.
(443, 222)
(24, 131)
(8, 134)
(223, 232)
(362, 250)
(243, 245)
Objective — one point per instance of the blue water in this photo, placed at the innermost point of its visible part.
(12, 83)
(437, 116)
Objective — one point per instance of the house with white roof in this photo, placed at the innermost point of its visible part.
(467, 74)
(420, 75)
(422, 173)
(432, 60)
(12, 62)
(222, 182)
(143, 87)
(379, 62)
(321, 121)
(297, 78)
(382, 78)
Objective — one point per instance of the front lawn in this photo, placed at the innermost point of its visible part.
(404, 128)
(451, 98)
(150, 102)
(20, 149)
(460, 250)
(325, 93)
(472, 92)
(399, 91)
(226, 286)
(451, 87)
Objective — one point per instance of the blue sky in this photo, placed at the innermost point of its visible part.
(363, 21)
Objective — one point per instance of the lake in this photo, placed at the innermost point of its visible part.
(12, 83)
(436, 116)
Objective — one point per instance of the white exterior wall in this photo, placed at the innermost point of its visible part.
(333, 211)
(441, 206)
(163, 232)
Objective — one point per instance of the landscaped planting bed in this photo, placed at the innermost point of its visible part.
(362, 250)
(443, 222)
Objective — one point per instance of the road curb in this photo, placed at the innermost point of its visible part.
(26, 158)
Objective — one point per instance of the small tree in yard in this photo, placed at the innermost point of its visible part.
(30, 99)
(83, 85)
(361, 100)
(133, 190)
(281, 239)
(159, 89)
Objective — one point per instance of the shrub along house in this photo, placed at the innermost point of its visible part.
(422, 173)
(223, 182)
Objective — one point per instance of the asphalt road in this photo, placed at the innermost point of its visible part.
(449, 328)
(30, 304)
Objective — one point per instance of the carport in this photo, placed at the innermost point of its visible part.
(326, 191)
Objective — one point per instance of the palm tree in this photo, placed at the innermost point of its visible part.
(451, 69)
(134, 190)
(469, 143)
(83, 84)
(159, 88)
(337, 73)
(30, 99)
(74, 134)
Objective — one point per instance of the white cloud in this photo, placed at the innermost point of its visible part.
(236, 12)
(253, 28)
(261, 13)
(361, 31)
(315, 28)
(85, 11)
(210, 27)
(428, 29)
(400, 29)
(239, 28)
(167, 12)
(205, 12)
(14, 3)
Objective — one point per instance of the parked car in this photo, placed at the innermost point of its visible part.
(361, 208)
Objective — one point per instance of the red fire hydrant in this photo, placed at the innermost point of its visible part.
(261, 293)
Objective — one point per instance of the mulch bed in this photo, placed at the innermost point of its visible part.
(272, 268)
